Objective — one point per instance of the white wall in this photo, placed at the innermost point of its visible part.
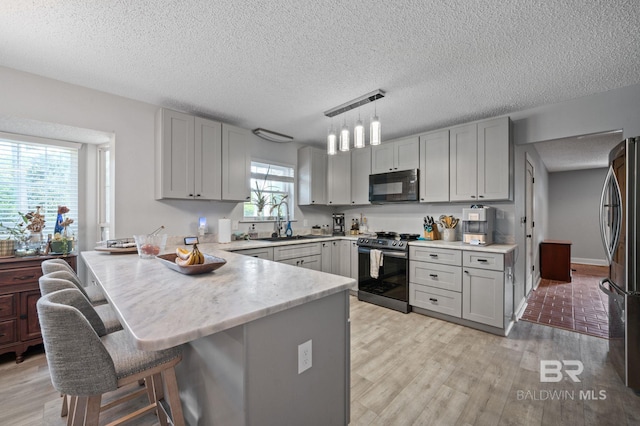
(574, 206)
(135, 209)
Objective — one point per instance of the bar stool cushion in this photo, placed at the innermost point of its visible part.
(62, 270)
(129, 360)
(104, 313)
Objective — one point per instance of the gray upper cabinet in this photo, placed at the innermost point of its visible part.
(396, 155)
(236, 163)
(339, 179)
(312, 176)
(188, 156)
(480, 162)
(208, 143)
(360, 171)
(434, 166)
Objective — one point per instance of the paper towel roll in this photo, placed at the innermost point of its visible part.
(224, 230)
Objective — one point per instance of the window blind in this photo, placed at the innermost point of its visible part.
(36, 174)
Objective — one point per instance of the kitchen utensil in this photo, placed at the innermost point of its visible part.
(156, 231)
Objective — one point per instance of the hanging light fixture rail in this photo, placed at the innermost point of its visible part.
(355, 103)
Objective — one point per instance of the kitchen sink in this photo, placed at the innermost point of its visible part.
(293, 238)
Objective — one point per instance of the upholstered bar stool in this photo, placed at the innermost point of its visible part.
(51, 282)
(93, 293)
(85, 365)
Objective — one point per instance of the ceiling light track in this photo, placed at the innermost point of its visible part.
(362, 100)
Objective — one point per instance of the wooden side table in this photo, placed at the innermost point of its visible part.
(19, 292)
(555, 260)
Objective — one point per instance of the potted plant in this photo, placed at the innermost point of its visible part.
(260, 198)
(16, 236)
(61, 242)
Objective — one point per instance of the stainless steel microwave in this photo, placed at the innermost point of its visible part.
(394, 187)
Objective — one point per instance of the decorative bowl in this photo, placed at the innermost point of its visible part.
(149, 246)
(211, 263)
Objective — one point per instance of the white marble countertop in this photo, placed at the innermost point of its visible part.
(162, 308)
(459, 245)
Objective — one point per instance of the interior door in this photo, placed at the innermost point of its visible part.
(529, 252)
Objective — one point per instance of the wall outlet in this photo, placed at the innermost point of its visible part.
(234, 225)
(304, 356)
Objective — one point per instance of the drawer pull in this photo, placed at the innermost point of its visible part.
(431, 299)
(25, 277)
(433, 255)
(482, 260)
(2, 335)
(433, 275)
(466, 272)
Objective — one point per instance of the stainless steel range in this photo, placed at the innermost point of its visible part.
(386, 285)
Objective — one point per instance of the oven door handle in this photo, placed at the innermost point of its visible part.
(362, 250)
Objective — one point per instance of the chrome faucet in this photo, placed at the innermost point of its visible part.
(278, 222)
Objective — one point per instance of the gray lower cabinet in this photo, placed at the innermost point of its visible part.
(483, 296)
(262, 253)
(327, 257)
(471, 287)
(304, 255)
(435, 281)
(338, 257)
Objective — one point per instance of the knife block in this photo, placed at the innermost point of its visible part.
(432, 235)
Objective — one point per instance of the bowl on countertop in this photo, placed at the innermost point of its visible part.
(149, 246)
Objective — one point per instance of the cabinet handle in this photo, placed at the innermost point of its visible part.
(23, 316)
(190, 195)
(433, 275)
(313, 201)
(433, 256)
(466, 272)
(24, 277)
(248, 198)
(302, 261)
(431, 299)
(2, 335)
(255, 255)
(480, 196)
(482, 260)
(197, 195)
(473, 196)
(330, 202)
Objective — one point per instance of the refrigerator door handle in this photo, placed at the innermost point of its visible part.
(613, 285)
(603, 219)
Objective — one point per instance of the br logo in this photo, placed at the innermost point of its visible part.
(552, 370)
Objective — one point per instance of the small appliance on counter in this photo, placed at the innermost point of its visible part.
(338, 224)
(478, 223)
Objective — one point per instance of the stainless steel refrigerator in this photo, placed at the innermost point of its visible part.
(619, 228)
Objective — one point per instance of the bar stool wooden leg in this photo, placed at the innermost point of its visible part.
(64, 411)
(173, 393)
(158, 395)
(93, 410)
(72, 408)
(79, 411)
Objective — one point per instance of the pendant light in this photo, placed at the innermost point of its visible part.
(331, 142)
(358, 133)
(375, 137)
(344, 137)
(342, 142)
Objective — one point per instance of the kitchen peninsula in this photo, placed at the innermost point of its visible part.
(241, 327)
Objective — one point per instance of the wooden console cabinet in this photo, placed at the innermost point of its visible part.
(19, 292)
(555, 260)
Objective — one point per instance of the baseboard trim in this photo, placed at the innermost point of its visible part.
(587, 261)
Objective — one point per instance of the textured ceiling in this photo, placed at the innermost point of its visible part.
(278, 64)
(577, 153)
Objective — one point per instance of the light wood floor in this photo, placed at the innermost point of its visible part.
(411, 369)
